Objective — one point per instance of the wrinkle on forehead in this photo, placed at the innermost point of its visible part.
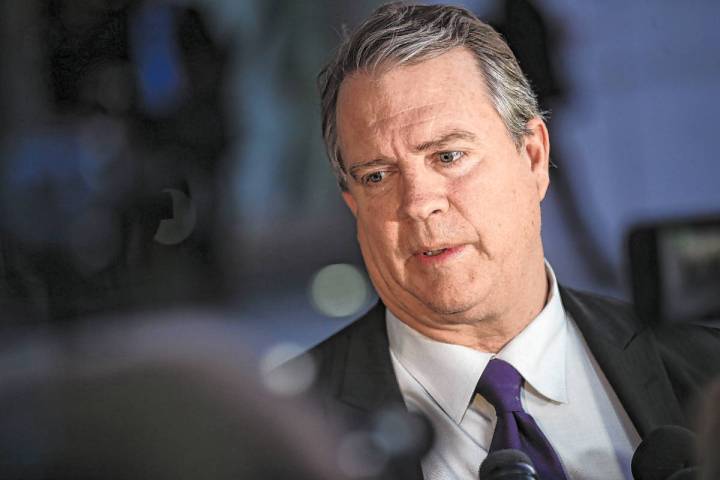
(413, 112)
(408, 105)
(401, 134)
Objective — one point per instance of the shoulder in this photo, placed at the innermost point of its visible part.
(605, 323)
(589, 306)
(369, 327)
(353, 347)
(346, 357)
(689, 353)
(613, 314)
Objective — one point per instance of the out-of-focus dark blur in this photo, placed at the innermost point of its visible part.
(112, 142)
(166, 156)
(140, 397)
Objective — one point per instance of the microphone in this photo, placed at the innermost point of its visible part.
(666, 451)
(507, 464)
(691, 473)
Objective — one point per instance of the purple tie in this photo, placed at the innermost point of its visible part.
(500, 385)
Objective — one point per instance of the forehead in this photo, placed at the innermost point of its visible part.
(446, 89)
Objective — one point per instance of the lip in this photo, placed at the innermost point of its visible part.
(448, 253)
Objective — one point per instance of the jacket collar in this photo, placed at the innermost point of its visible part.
(623, 346)
(626, 351)
(367, 363)
(369, 384)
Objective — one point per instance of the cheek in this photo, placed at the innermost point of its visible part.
(498, 203)
(485, 200)
(377, 236)
(523, 222)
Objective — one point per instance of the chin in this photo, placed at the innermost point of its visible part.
(455, 297)
(452, 305)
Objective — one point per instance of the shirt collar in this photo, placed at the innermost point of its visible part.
(539, 351)
(450, 372)
(447, 372)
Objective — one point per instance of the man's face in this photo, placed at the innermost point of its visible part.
(447, 207)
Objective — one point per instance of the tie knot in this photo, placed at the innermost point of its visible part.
(500, 385)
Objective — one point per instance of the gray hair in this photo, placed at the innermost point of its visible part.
(399, 34)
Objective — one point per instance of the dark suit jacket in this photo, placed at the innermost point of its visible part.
(655, 372)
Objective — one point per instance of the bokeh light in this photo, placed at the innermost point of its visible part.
(339, 290)
(292, 379)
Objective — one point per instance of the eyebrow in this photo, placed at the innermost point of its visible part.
(440, 141)
(445, 139)
(361, 166)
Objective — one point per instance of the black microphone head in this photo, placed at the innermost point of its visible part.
(665, 451)
(691, 473)
(503, 463)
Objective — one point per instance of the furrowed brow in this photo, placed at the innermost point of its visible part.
(444, 139)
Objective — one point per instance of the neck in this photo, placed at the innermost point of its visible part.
(482, 328)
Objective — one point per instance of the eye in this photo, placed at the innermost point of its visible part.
(449, 157)
(375, 177)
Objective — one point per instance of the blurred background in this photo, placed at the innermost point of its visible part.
(161, 155)
(170, 229)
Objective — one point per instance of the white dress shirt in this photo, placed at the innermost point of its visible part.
(564, 390)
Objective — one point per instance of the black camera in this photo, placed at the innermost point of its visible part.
(675, 268)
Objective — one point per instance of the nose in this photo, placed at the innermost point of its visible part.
(424, 195)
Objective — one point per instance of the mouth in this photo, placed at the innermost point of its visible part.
(435, 254)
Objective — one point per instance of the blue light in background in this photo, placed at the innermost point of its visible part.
(158, 59)
(43, 188)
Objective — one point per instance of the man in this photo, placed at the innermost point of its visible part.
(442, 156)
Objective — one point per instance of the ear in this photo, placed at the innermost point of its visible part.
(537, 149)
(350, 202)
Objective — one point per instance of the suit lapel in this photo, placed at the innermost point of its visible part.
(368, 385)
(368, 363)
(626, 352)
